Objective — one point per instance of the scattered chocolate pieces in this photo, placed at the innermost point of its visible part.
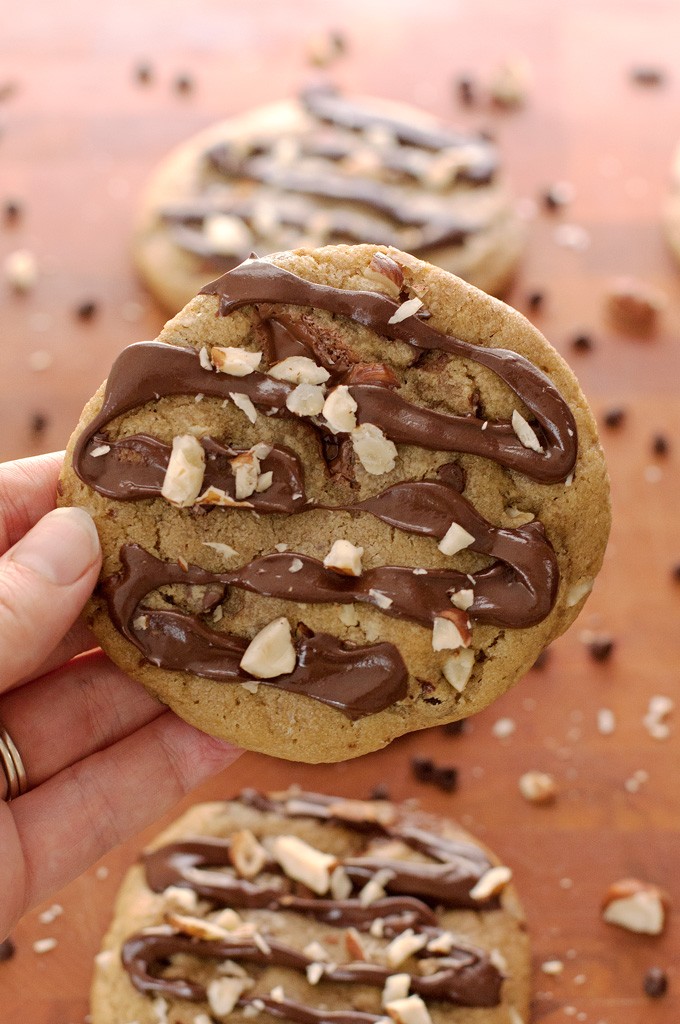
(143, 73)
(445, 777)
(646, 74)
(86, 310)
(583, 342)
(466, 90)
(535, 300)
(557, 195)
(660, 445)
(12, 211)
(600, 648)
(655, 982)
(183, 83)
(7, 950)
(38, 423)
(613, 418)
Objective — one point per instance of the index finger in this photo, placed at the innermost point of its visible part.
(28, 491)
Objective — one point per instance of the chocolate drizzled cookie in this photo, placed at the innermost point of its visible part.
(310, 908)
(323, 484)
(326, 169)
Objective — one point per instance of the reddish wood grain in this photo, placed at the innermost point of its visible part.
(80, 136)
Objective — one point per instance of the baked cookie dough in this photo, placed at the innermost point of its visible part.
(311, 908)
(343, 496)
(326, 169)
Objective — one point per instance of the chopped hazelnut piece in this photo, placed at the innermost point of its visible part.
(376, 453)
(525, 433)
(304, 863)
(299, 370)
(455, 539)
(271, 652)
(538, 787)
(491, 883)
(409, 1011)
(637, 906)
(238, 362)
(457, 668)
(339, 410)
(246, 854)
(344, 558)
(184, 475)
(405, 310)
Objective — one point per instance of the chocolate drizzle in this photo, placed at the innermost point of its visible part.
(327, 185)
(462, 975)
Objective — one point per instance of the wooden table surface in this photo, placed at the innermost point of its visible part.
(79, 135)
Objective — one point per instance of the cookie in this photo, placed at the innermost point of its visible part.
(343, 496)
(326, 169)
(313, 908)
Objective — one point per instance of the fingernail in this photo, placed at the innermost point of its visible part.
(61, 547)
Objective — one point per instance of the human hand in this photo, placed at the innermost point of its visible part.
(102, 757)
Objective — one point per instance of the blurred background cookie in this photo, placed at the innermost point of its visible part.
(310, 907)
(326, 169)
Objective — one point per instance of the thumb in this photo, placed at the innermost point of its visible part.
(45, 580)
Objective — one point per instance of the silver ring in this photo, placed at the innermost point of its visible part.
(12, 766)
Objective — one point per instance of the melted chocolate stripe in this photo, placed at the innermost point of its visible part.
(468, 980)
(257, 281)
(355, 680)
(328, 105)
(428, 507)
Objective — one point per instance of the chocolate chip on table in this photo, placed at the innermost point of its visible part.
(423, 768)
(446, 778)
(556, 196)
(613, 418)
(143, 73)
(535, 300)
(86, 310)
(183, 83)
(466, 90)
(646, 74)
(660, 445)
(380, 792)
(601, 648)
(38, 423)
(7, 950)
(13, 211)
(583, 342)
(454, 728)
(655, 982)
(675, 572)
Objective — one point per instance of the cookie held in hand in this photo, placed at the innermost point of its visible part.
(326, 169)
(312, 908)
(345, 495)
